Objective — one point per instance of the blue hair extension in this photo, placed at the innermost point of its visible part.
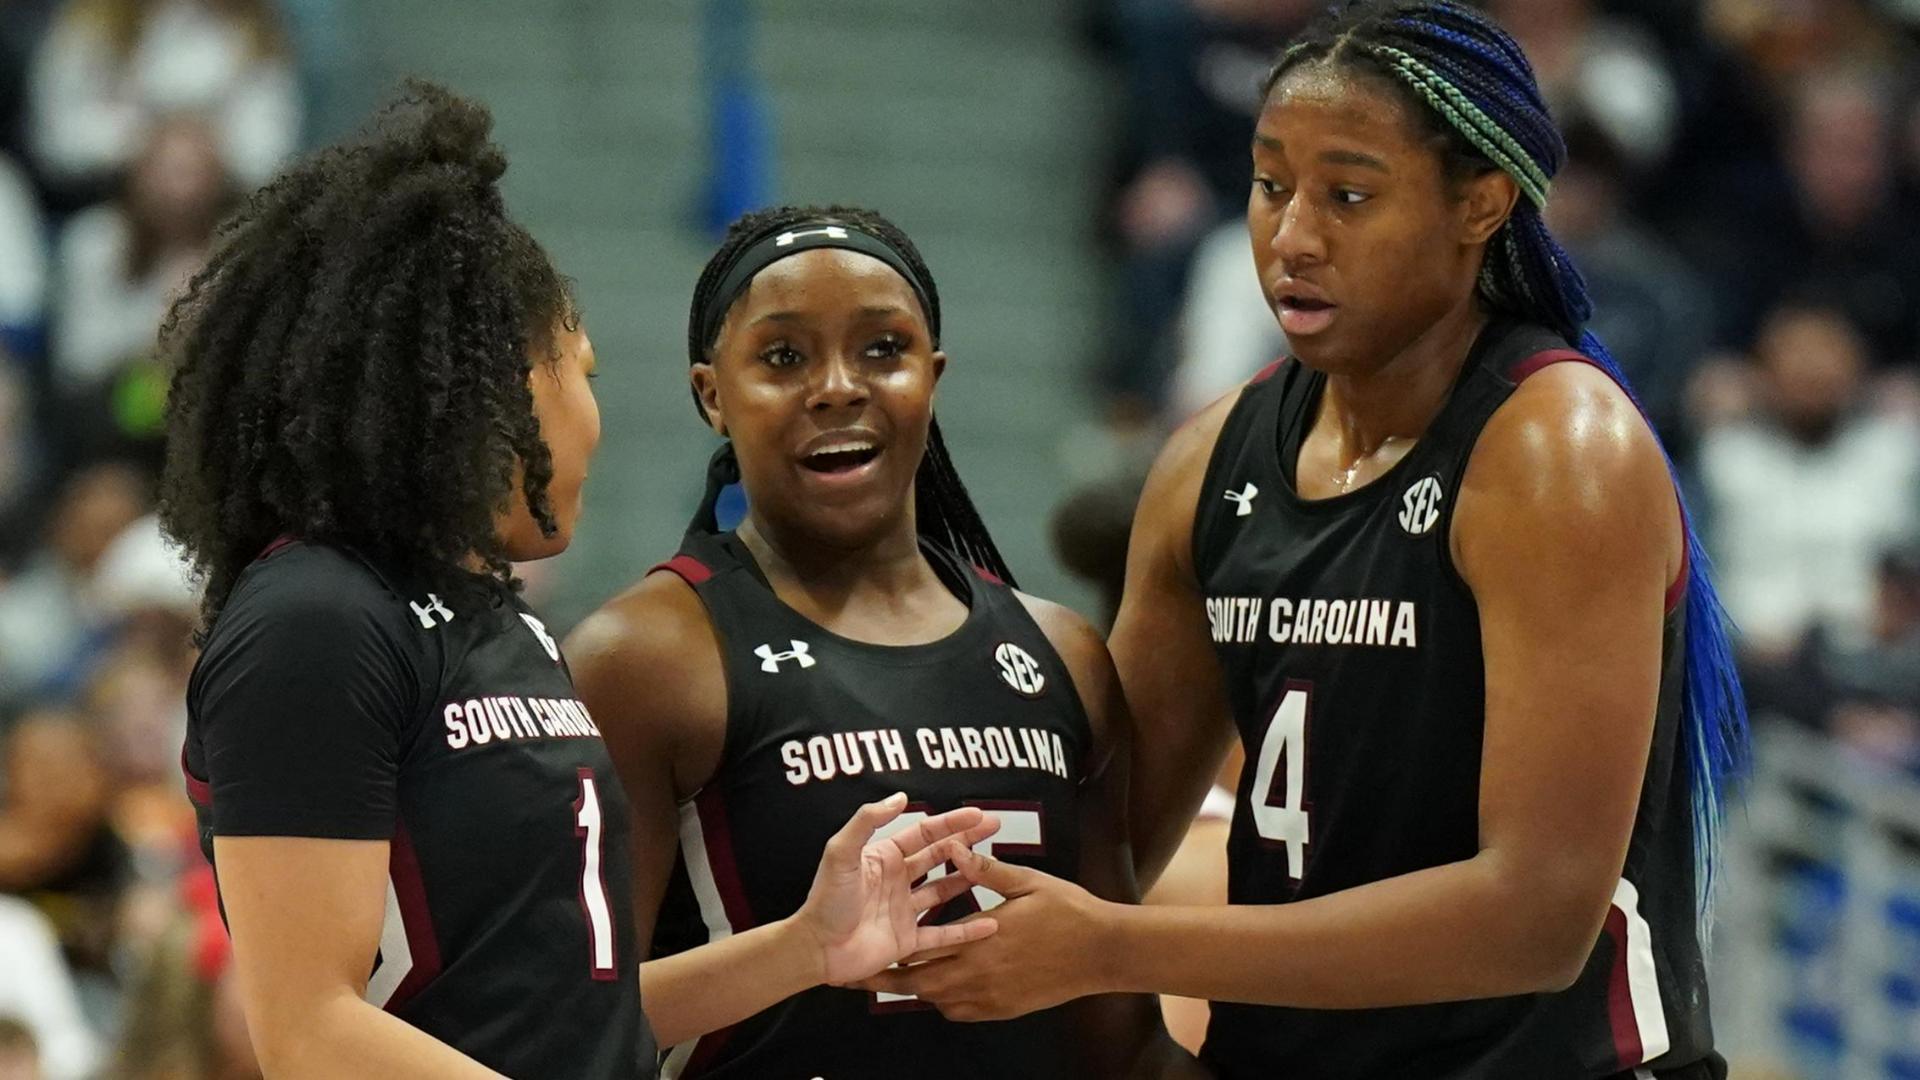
(1458, 63)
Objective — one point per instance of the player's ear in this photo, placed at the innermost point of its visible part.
(1486, 202)
(706, 389)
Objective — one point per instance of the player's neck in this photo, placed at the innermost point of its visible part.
(888, 565)
(1400, 398)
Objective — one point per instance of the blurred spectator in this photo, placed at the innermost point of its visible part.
(19, 472)
(144, 590)
(1651, 312)
(1877, 685)
(136, 706)
(1090, 531)
(1226, 330)
(1831, 225)
(120, 264)
(1600, 70)
(1803, 495)
(58, 848)
(46, 611)
(1787, 39)
(42, 1032)
(110, 70)
(1192, 71)
(184, 1020)
(19, 1053)
(23, 266)
(21, 32)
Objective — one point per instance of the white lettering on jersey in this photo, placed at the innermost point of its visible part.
(1366, 622)
(431, 608)
(1420, 506)
(546, 640)
(832, 756)
(770, 661)
(1019, 669)
(478, 721)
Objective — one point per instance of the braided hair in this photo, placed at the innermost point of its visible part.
(350, 365)
(944, 511)
(1469, 82)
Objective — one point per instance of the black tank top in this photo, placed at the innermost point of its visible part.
(1351, 647)
(818, 724)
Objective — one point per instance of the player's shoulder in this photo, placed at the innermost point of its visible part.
(1566, 459)
(1187, 451)
(1170, 500)
(1081, 647)
(1570, 428)
(647, 640)
(319, 587)
(304, 607)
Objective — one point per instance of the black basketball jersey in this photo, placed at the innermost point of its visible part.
(1352, 657)
(818, 724)
(338, 699)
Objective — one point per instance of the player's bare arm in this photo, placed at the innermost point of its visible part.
(1160, 643)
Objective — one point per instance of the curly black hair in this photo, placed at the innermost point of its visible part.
(944, 509)
(350, 365)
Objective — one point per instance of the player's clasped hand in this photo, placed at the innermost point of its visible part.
(1044, 952)
(863, 907)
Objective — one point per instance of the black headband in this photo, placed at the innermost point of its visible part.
(792, 240)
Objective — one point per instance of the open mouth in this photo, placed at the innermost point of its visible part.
(834, 460)
(1304, 303)
(1302, 316)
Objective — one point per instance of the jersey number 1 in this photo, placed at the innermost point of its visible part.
(1285, 822)
(593, 886)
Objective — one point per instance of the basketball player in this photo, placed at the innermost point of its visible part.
(381, 400)
(1434, 571)
(855, 634)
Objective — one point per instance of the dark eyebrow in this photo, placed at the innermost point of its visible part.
(780, 317)
(1268, 142)
(1350, 157)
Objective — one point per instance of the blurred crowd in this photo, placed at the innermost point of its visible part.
(1743, 192)
(128, 128)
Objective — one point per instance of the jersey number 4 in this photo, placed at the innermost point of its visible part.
(1284, 823)
(593, 885)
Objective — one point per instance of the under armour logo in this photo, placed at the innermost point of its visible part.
(433, 606)
(540, 631)
(833, 232)
(1243, 500)
(770, 660)
(1420, 506)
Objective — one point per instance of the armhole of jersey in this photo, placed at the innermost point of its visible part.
(1519, 373)
(1246, 402)
(199, 792)
(696, 573)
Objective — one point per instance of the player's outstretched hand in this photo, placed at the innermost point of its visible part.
(1046, 950)
(863, 907)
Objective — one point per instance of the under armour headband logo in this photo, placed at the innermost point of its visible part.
(831, 232)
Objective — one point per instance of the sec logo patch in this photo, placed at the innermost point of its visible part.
(1019, 670)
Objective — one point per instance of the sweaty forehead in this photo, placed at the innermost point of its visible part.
(825, 280)
(1326, 99)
